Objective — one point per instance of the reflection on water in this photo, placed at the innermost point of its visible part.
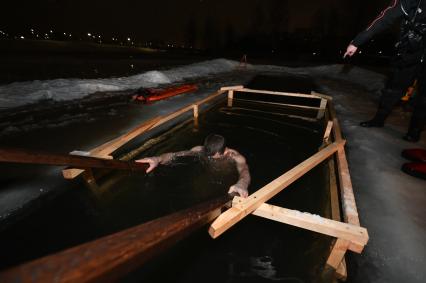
(255, 250)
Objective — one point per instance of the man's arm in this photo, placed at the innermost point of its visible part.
(244, 174)
(382, 22)
(166, 158)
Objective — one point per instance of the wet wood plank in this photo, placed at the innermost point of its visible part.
(111, 257)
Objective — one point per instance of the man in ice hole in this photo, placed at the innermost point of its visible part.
(214, 148)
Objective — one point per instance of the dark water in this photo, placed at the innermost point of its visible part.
(255, 250)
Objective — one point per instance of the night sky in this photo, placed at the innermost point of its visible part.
(174, 20)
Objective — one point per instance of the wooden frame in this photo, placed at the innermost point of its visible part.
(107, 148)
(349, 235)
(255, 203)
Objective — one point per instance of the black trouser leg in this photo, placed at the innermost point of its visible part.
(399, 81)
(418, 119)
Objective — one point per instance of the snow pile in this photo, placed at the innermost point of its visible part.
(23, 93)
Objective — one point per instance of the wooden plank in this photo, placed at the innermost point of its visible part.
(350, 212)
(328, 97)
(210, 97)
(113, 145)
(341, 271)
(45, 158)
(278, 93)
(337, 253)
(334, 194)
(195, 108)
(111, 257)
(323, 106)
(311, 222)
(337, 133)
(238, 212)
(226, 88)
(327, 132)
(281, 104)
(230, 97)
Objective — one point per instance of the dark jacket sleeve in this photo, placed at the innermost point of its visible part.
(383, 21)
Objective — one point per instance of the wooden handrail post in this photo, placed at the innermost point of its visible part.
(195, 108)
(230, 97)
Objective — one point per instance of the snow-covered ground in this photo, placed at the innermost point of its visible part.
(390, 203)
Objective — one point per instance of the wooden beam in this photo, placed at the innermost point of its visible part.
(45, 158)
(322, 109)
(338, 253)
(281, 104)
(341, 271)
(230, 97)
(195, 108)
(225, 88)
(350, 212)
(328, 97)
(327, 132)
(250, 204)
(111, 146)
(311, 222)
(334, 194)
(278, 93)
(111, 257)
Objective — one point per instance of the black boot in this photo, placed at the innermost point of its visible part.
(373, 123)
(378, 120)
(412, 136)
(414, 131)
(388, 99)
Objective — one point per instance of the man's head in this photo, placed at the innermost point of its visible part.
(214, 145)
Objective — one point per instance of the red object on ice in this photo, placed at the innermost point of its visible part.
(416, 169)
(414, 154)
(152, 95)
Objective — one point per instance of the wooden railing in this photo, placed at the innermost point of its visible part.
(109, 258)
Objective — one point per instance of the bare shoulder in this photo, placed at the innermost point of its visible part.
(235, 155)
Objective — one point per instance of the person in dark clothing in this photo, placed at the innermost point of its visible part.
(408, 62)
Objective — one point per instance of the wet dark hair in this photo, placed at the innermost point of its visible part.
(213, 144)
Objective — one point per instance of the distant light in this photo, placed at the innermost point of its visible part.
(360, 52)
(99, 36)
(89, 34)
(65, 33)
(131, 66)
(51, 31)
(314, 53)
(32, 31)
(380, 52)
(70, 35)
(22, 37)
(128, 39)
